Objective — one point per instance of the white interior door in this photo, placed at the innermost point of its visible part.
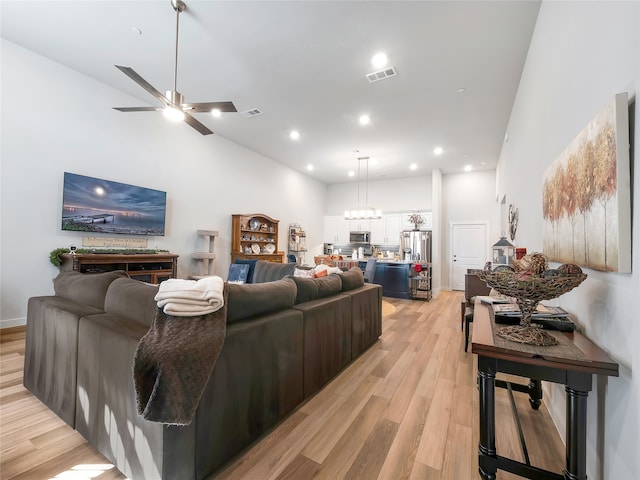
(469, 247)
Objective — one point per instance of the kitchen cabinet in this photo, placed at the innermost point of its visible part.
(394, 279)
(361, 225)
(335, 229)
(386, 230)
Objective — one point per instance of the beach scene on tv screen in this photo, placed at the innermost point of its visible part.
(102, 206)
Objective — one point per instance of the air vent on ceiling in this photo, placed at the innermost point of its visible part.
(381, 74)
(254, 112)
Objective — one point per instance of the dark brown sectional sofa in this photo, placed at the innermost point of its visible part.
(285, 339)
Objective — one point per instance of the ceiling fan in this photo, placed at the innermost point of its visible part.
(173, 106)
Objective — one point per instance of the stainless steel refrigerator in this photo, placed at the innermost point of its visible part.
(415, 246)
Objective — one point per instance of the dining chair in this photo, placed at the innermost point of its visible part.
(473, 286)
(370, 270)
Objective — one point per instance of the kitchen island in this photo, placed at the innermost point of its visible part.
(399, 279)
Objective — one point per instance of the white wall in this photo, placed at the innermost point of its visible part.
(581, 55)
(436, 246)
(397, 195)
(55, 120)
(466, 197)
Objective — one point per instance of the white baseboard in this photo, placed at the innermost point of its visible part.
(13, 322)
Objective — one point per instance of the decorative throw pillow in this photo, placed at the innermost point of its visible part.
(238, 273)
(252, 266)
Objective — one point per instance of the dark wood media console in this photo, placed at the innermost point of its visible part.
(146, 267)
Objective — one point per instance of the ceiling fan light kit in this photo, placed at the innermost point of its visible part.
(174, 107)
(174, 114)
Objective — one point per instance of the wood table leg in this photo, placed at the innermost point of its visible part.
(576, 435)
(577, 390)
(487, 458)
(535, 393)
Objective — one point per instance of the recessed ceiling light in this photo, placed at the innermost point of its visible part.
(136, 30)
(467, 168)
(379, 60)
(216, 112)
(461, 90)
(364, 119)
(351, 173)
(438, 151)
(310, 167)
(294, 134)
(413, 166)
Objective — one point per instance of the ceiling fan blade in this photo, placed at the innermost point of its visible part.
(196, 124)
(138, 109)
(208, 106)
(131, 73)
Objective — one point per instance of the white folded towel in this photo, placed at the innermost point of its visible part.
(184, 310)
(204, 288)
(190, 297)
(184, 301)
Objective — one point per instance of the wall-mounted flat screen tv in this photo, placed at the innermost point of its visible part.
(94, 205)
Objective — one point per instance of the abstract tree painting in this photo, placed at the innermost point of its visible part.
(586, 195)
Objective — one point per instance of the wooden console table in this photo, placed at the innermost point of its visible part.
(146, 267)
(571, 363)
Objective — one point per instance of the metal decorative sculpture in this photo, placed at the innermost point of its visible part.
(513, 222)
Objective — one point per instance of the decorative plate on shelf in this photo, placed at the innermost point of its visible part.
(255, 248)
(254, 224)
(270, 248)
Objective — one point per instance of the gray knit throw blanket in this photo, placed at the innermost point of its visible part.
(173, 363)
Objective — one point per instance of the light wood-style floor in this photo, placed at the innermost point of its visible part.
(405, 409)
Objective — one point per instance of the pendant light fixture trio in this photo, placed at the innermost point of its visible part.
(363, 211)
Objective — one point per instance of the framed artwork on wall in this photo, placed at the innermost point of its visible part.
(586, 195)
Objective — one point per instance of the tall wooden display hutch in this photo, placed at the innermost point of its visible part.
(255, 236)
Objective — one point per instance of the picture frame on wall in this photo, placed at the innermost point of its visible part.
(586, 197)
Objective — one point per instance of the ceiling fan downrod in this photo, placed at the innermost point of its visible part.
(178, 6)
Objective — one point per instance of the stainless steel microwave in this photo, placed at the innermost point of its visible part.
(360, 238)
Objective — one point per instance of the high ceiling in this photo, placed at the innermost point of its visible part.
(303, 65)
